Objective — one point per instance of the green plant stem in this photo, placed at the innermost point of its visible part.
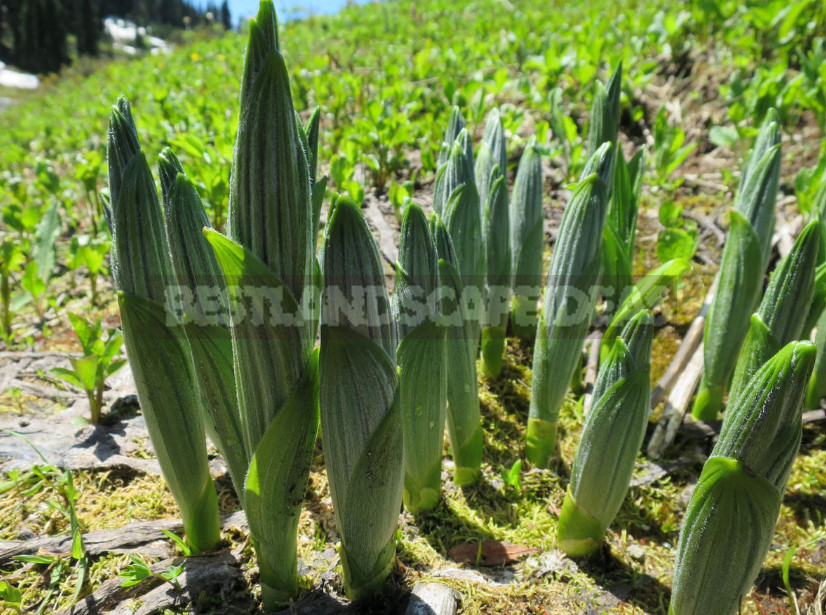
(5, 295)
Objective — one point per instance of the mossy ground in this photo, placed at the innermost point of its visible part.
(630, 574)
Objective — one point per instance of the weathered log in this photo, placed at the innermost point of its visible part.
(676, 405)
(693, 336)
(210, 573)
(120, 540)
(591, 370)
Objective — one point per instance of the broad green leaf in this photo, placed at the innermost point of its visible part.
(275, 484)
(161, 365)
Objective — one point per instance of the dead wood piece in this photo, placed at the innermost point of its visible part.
(591, 371)
(707, 223)
(813, 416)
(212, 573)
(318, 602)
(786, 233)
(432, 599)
(652, 472)
(686, 350)
(387, 244)
(16, 356)
(124, 539)
(677, 405)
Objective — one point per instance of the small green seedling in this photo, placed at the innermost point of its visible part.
(139, 571)
(62, 484)
(11, 597)
(32, 282)
(679, 237)
(669, 149)
(97, 364)
(512, 477)
(90, 252)
(11, 259)
(183, 548)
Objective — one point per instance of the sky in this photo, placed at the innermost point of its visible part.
(242, 8)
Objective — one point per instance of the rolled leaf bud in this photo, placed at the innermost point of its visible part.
(743, 264)
(204, 313)
(157, 349)
(620, 229)
(527, 240)
(611, 438)
(360, 413)
(464, 423)
(782, 313)
(570, 295)
(728, 526)
(455, 125)
(457, 171)
(422, 361)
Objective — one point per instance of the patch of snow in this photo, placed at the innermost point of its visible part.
(124, 33)
(13, 79)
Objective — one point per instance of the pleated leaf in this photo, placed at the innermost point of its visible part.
(817, 385)
(270, 209)
(354, 293)
(311, 134)
(139, 241)
(455, 125)
(601, 164)
(527, 238)
(422, 360)
(464, 224)
(620, 226)
(492, 161)
(759, 182)
(463, 416)
(570, 295)
(416, 292)
(263, 39)
(762, 427)
(205, 316)
(457, 171)
(741, 276)
(157, 350)
(423, 399)
(726, 533)
(464, 422)
(360, 413)
(160, 362)
(497, 276)
(123, 145)
(605, 113)
(268, 335)
(275, 486)
(782, 311)
(611, 438)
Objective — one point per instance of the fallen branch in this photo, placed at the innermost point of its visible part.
(785, 235)
(676, 405)
(201, 574)
(119, 540)
(708, 224)
(684, 353)
(386, 241)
